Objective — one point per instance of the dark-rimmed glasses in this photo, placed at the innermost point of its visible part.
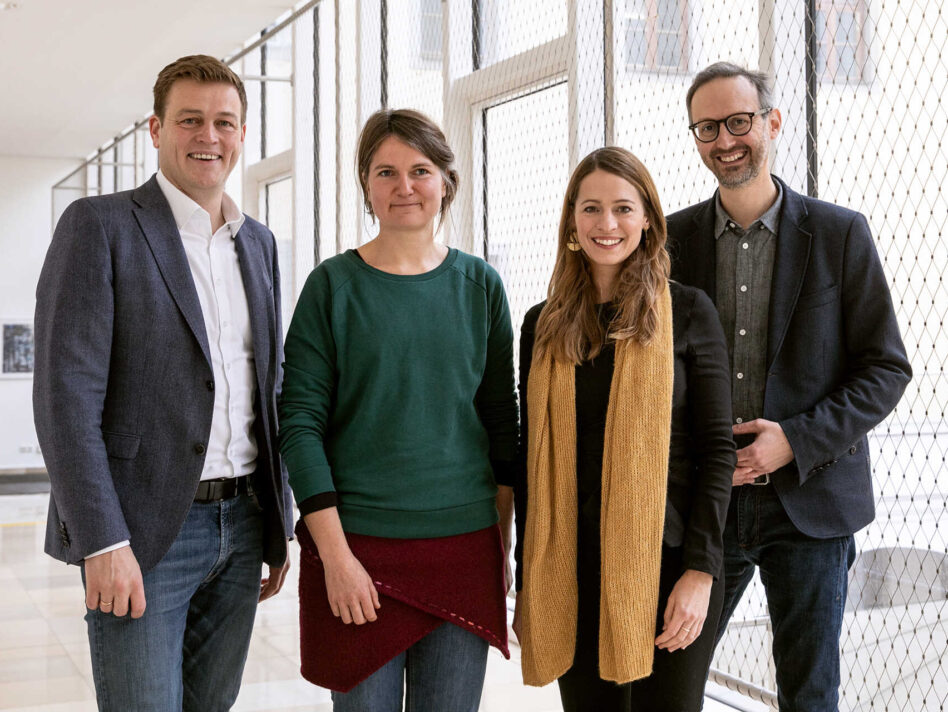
(737, 125)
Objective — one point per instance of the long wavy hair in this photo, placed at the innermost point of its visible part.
(569, 326)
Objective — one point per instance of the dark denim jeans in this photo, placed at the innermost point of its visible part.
(188, 651)
(805, 580)
(443, 671)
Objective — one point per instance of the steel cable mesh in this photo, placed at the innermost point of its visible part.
(520, 140)
(878, 119)
(526, 88)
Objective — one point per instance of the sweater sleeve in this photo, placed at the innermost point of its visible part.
(712, 444)
(309, 384)
(496, 401)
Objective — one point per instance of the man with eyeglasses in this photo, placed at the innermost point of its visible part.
(816, 362)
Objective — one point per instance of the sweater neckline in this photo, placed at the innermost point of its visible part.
(446, 263)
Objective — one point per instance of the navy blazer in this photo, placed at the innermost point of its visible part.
(123, 385)
(836, 365)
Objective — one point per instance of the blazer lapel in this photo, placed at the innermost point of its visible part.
(790, 261)
(156, 220)
(259, 290)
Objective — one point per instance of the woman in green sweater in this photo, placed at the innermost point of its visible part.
(398, 421)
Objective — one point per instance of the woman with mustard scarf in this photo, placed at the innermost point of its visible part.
(627, 462)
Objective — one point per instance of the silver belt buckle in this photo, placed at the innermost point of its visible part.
(762, 480)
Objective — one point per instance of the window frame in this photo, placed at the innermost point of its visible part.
(826, 42)
(652, 33)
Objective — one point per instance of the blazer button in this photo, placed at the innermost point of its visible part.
(199, 449)
(210, 385)
(852, 450)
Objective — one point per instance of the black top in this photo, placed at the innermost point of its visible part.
(702, 456)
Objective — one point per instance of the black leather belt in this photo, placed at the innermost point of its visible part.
(221, 489)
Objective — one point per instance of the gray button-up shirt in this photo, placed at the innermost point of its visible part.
(745, 265)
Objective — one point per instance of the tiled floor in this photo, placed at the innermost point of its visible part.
(44, 657)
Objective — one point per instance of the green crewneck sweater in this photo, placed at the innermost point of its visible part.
(398, 391)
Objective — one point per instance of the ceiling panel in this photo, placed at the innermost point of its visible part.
(74, 73)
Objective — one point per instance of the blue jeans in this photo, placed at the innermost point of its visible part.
(805, 580)
(187, 651)
(443, 671)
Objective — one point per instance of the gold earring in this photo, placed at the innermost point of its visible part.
(571, 242)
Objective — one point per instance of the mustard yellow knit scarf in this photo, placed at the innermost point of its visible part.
(634, 475)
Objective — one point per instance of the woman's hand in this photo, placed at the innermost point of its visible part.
(351, 592)
(685, 611)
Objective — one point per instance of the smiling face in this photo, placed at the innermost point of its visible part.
(610, 216)
(404, 188)
(736, 161)
(199, 138)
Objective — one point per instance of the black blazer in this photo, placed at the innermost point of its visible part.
(701, 455)
(836, 365)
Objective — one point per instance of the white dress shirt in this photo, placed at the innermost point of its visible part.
(232, 448)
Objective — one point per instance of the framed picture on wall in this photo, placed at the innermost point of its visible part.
(16, 337)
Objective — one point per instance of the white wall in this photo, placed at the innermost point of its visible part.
(25, 216)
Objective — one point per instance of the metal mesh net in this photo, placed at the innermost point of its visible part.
(525, 89)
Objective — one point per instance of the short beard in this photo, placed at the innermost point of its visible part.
(737, 180)
(757, 153)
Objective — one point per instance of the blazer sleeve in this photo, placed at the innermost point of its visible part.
(712, 443)
(73, 332)
(875, 367)
(527, 332)
(278, 384)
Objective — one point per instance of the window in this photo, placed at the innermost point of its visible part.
(429, 49)
(526, 168)
(842, 51)
(654, 34)
(277, 198)
(506, 28)
(413, 75)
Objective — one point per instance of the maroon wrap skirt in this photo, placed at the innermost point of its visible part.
(422, 583)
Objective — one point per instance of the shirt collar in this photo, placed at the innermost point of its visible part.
(770, 219)
(185, 209)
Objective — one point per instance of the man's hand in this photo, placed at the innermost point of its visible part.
(769, 452)
(271, 585)
(114, 583)
(685, 611)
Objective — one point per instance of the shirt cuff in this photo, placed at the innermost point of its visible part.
(107, 549)
(504, 472)
(323, 500)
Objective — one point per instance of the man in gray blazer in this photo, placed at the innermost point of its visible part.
(816, 362)
(158, 353)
